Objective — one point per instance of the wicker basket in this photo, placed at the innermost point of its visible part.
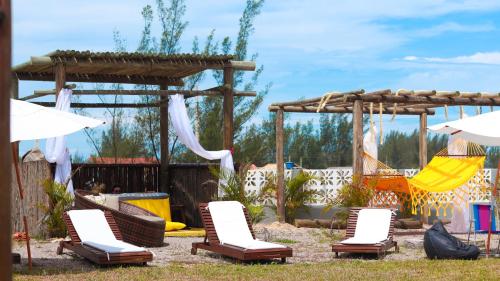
(134, 230)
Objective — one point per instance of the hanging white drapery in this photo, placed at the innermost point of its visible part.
(370, 148)
(55, 148)
(182, 126)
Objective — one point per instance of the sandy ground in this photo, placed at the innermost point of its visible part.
(309, 246)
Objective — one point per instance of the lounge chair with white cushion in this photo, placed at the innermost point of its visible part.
(229, 232)
(369, 230)
(95, 235)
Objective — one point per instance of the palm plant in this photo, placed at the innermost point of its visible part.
(59, 202)
(296, 196)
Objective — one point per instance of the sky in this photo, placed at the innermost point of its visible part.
(307, 48)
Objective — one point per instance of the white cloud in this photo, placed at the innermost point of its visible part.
(452, 27)
(477, 58)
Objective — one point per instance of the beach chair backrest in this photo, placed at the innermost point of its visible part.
(91, 225)
(229, 221)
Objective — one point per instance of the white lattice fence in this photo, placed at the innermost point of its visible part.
(328, 181)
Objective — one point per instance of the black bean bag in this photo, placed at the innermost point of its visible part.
(439, 244)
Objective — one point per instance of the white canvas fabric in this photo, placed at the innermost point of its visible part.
(93, 230)
(182, 125)
(372, 227)
(32, 122)
(370, 148)
(232, 228)
(482, 129)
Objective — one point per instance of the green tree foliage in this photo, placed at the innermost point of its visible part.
(169, 16)
(210, 108)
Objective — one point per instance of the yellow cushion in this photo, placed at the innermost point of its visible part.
(192, 232)
(161, 208)
(172, 225)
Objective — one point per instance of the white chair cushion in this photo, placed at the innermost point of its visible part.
(94, 230)
(372, 227)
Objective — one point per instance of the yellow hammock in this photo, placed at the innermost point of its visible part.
(443, 174)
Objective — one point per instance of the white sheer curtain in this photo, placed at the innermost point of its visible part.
(370, 148)
(182, 125)
(55, 148)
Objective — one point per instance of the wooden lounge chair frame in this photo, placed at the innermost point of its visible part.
(96, 255)
(378, 248)
(212, 243)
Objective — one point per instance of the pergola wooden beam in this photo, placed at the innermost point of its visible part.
(45, 61)
(444, 98)
(186, 93)
(333, 109)
(101, 78)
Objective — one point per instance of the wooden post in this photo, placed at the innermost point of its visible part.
(164, 157)
(14, 88)
(357, 142)
(422, 141)
(228, 105)
(280, 170)
(60, 77)
(5, 148)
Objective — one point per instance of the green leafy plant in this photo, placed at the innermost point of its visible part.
(232, 187)
(59, 202)
(352, 194)
(296, 196)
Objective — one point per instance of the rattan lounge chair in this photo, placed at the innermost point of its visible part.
(355, 244)
(117, 251)
(137, 226)
(213, 244)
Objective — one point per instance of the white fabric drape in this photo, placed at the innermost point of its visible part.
(182, 125)
(55, 148)
(460, 219)
(370, 148)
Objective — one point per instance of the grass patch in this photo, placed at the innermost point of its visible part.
(284, 241)
(485, 269)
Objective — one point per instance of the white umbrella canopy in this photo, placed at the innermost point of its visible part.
(30, 122)
(482, 129)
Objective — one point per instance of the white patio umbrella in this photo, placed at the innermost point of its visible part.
(30, 122)
(482, 129)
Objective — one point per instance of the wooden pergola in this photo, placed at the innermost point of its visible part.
(134, 68)
(402, 102)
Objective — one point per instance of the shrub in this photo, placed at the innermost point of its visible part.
(59, 202)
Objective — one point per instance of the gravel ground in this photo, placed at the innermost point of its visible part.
(309, 246)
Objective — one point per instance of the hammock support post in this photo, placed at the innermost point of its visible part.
(228, 107)
(422, 141)
(357, 142)
(280, 169)
(164, 155)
